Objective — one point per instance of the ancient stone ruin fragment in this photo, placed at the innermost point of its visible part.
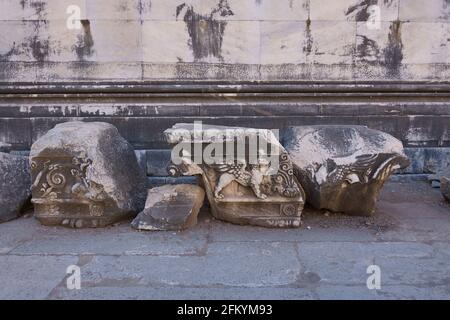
(343, 168)
(85, 175)
(247, 174)
(15, 185)
(170, 207)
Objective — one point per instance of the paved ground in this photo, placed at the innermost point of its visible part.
(408, 239)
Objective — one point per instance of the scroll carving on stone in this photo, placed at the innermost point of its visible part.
(85, 175)
(247, 174)
(64, 181)
(343, 168)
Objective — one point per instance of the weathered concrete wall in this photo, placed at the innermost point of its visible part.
(225, 39)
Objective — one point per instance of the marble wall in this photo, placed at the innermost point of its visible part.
(224, 40)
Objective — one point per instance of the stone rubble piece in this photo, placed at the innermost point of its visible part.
(343, 167)
(170, 208)
(15, 185)
(255, 186)
(85, 174)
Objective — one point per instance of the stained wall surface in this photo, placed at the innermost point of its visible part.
(224, 40)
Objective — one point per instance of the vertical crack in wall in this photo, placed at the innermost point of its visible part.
(205, 30)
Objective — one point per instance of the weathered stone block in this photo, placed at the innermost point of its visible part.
(85, 175)
(343, 168)
(424, 10)
(170, 207)
(352, 10)
(40, 9)
(115, 9)
(280, 42)
(172, 45)
(425, 43)
(333, 42)
(15, 185)
(246, 173)
(157, 162)
(437, 160)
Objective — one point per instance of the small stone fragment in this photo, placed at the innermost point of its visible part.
(85, 174)
(15, 185)
(343, 168)
(170, 207)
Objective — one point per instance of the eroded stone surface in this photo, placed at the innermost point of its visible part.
(85, 175)
(170, 207)
(343, 168)
(253, 184)
(14, 185)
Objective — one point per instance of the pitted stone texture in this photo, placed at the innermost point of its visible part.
(14, 185)
(445, 188)
(170, 207)
(85, 174)
(343, 168)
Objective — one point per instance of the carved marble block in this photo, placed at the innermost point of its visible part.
(343, 168)
(85, 175)
(247, 174)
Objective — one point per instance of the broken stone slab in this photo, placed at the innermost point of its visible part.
(247, 175)
(343, 168)
(15, 185)
(170, 207)
(85, 174)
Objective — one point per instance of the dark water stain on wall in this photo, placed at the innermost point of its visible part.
(205, 31)
(39, 7)
(360, 9)
(35, 46)
(390, 57)
(393, 53)
(14, 50)
(144, 6)
(308, 42)
(85, 43)
(367, 50)
(40, 48)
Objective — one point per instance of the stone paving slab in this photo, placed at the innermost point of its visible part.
(224, 264)
(408, 238)
(118, 240)
(31, 277)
